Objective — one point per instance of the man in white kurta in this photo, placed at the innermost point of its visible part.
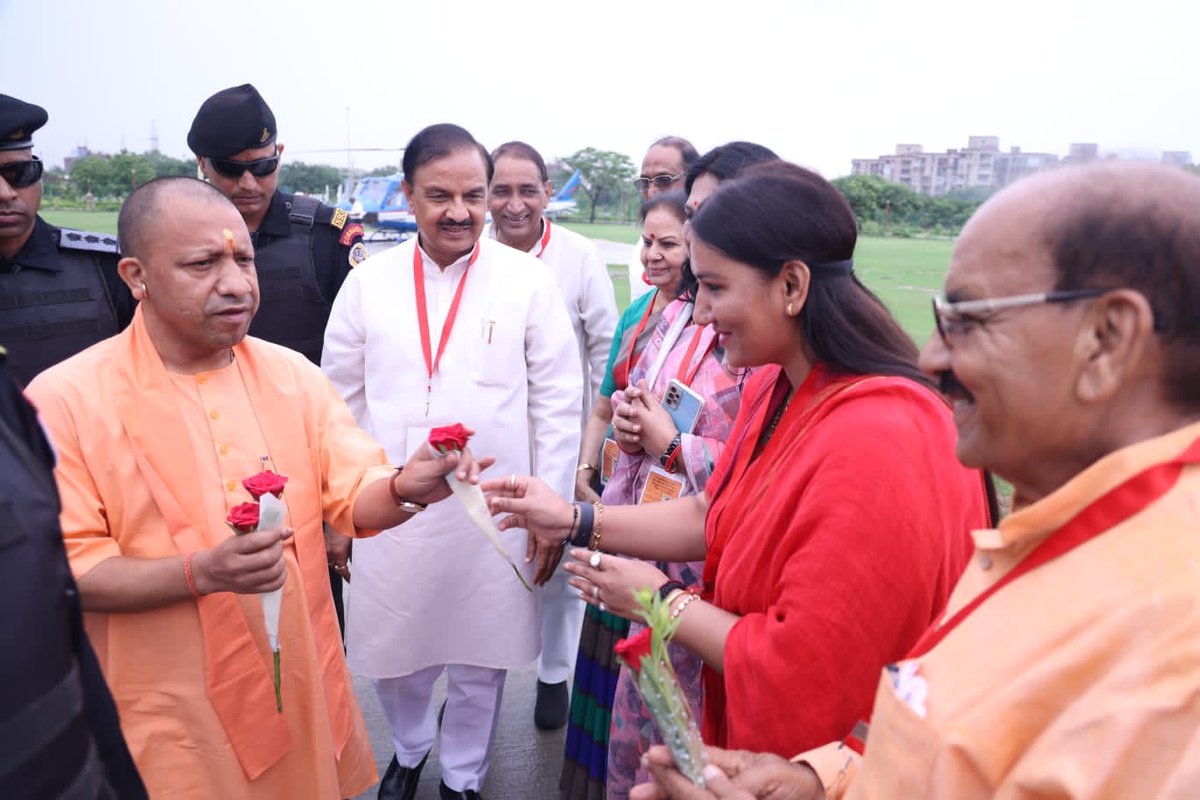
(519, 192)
(435, 594)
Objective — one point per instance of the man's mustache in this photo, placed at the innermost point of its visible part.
(949, 385)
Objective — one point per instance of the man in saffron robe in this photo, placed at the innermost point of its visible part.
(1067, 663)
(155, 429)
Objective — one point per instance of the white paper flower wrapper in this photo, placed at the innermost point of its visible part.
(271, 514)
(473, 501)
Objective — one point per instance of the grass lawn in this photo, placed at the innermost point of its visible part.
(96, 221)
(627, 234)
(905, 273)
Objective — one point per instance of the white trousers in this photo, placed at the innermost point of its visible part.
(472, 711)
(562, 617)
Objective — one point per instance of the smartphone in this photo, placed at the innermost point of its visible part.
(683, 404)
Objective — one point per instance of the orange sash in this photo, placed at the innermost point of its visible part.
(238, 679)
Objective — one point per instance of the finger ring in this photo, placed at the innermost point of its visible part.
(602, 608)
(596, 592)
(339, 566)
(595, 560)
(512, 482)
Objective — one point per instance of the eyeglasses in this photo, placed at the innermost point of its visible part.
(949, 316)
(259, 168)
(660, 181)
(19, 174)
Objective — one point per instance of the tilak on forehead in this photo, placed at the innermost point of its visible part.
(228, 238)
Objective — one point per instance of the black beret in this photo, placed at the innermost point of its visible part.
(230, 121)
(18, 121)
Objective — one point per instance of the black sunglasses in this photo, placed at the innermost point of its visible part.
(259, 168)
(19, 174)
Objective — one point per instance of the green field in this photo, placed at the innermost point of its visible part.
(905, 273)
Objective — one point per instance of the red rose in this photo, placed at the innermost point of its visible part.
(449, 437)
(264, 482)
(634, 649)
(243, 518)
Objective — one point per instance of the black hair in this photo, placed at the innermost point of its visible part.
(439, 141)
(727, 161)
(780, 212)
(517, 149)
(675, 203)
(140, 209)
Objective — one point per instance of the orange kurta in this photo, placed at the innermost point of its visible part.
(155, 661)
(1079, 679)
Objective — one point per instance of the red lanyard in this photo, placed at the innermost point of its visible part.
(1115, 506)
(621, 376)
(685, 377)
(545, 239)
(431, 361)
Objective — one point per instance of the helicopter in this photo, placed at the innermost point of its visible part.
(386, 208)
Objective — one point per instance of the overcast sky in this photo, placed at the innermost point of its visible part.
(819, 81)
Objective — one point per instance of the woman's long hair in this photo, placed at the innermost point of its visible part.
(780, 212)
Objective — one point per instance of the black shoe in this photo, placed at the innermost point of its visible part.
(400, 783)
(550, 712)
(449, 794)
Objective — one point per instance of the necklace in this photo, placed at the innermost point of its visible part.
(769, 430)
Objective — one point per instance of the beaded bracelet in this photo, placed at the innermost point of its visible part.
(679, 609)
(187, 573)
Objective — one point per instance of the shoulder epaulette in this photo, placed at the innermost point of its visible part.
(71, 239)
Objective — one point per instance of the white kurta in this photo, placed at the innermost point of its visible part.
(433, 591)
(587, 293)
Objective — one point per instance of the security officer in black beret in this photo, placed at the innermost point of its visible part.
(303, 249)
(59, 731)
(59, 288)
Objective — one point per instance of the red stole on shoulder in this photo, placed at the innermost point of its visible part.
(238, 679)
(728, 494)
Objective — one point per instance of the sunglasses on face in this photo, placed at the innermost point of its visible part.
(19, 174)
(259, 168)
(660, 181)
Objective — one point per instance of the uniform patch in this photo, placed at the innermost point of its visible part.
(70, 239)
(352, 233)
(358, 254)
(340, 215)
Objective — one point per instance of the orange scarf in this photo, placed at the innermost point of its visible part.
(238, 680)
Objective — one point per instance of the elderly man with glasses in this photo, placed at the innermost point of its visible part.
(59, 290)
(1067, 663)
(303, 249)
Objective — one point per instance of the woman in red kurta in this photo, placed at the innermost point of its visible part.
(837, 520)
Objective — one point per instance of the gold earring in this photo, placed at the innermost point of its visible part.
(791, 309)
(145, 291)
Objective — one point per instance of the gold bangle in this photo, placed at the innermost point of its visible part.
(690, 597)
(674, 594)
(594, 544)
(583, 467)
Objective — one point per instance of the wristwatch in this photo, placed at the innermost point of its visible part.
(404, 505)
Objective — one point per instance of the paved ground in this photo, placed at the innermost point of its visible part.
(525, 761)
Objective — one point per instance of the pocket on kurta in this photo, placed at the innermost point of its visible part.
(902, 750)
(492, 352)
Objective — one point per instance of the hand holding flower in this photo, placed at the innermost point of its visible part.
(731, 775)
(251, 563)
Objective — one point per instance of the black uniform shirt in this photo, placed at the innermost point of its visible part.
(336, 248)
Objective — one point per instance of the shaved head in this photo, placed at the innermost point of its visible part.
(137, 222)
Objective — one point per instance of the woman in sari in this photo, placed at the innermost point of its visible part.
(837, 520)
(636, 340)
